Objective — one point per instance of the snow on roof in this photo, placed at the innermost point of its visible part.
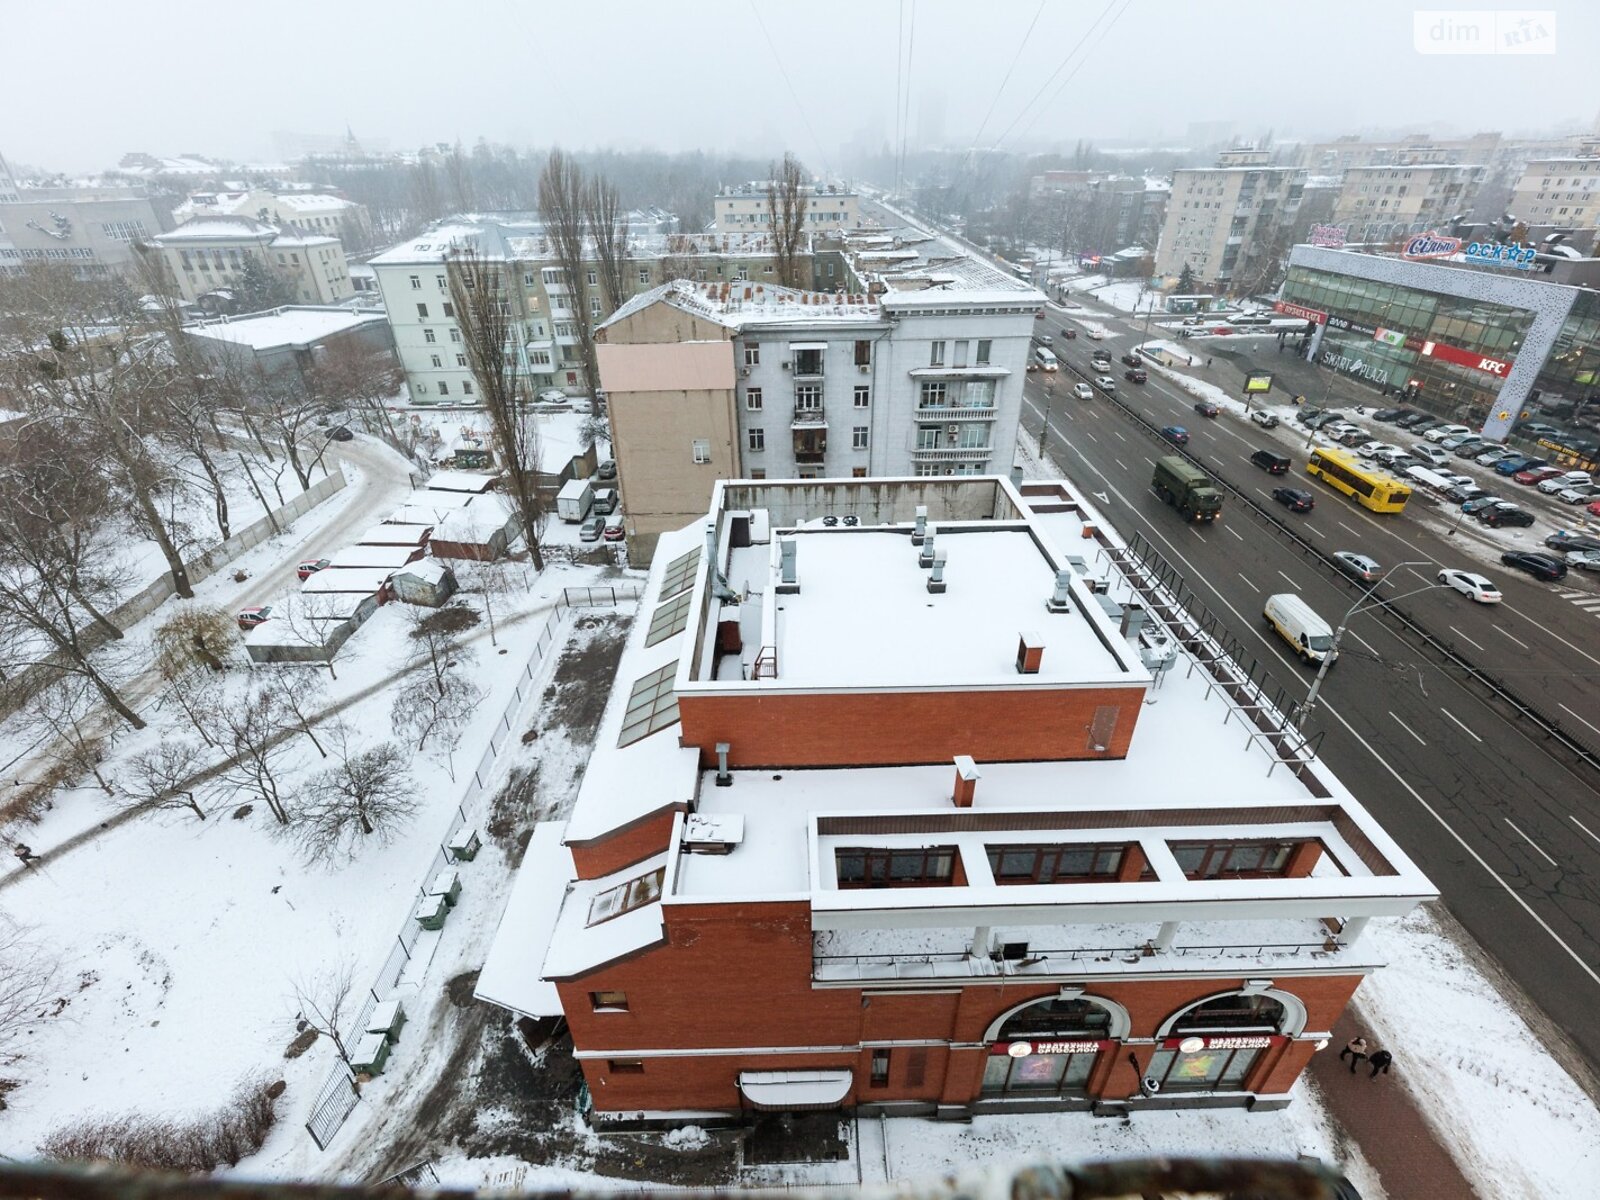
(396, 533)
(365, 581)
(430, 247)
(391, 557)
(511, 974)
(577, 946)
(475, 522)
(429, 570)
(741, 304)
(460, 481)
(299, 327)
(312, 202)
(208, 228)
(302, 240)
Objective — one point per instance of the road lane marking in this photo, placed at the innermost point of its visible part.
(1591, 726)
(1407, 728)
(1583, 827)
(1194, 531)
(1462, 636)
(1316, 531)
(1554, 634)
(1347, 529)
(1531, 842)
(1230, 530)
(1248, 584)
(1120, 463)
(1292, 583)
(1119, 436)
(1362, 640)
(1464, 729)
(1503, 633)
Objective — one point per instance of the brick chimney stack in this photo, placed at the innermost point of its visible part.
(967, 776)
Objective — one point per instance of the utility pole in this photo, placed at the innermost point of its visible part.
(1044, 432)
(1338, 635)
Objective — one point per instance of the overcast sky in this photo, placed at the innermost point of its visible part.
(84, 83)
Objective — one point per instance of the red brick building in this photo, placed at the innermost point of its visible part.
(911, 797)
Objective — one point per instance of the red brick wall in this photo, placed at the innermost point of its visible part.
(887, 728)
(629, 845)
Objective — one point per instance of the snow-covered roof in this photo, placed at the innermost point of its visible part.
(460, 481)
(361, 581)
(294, 326)
(397, 533)
(390, 557)
(742, 304)
(511, 974)
(207, 228)
(428, 570)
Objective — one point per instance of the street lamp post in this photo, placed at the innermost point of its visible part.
(1044, 431)
(1338, 636)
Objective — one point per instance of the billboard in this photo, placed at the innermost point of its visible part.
(1257, 383)
(1431, 245)
(1331, 236)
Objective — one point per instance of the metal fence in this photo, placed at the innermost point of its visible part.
(338, 1095)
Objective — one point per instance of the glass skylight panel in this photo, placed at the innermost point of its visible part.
(652, 705)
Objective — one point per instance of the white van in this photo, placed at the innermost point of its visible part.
(1297, 624)
(1046, 358)
(1434, 481)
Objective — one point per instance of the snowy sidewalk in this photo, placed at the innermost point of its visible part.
(1381, 1116)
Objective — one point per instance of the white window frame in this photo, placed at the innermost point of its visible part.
(700, 451)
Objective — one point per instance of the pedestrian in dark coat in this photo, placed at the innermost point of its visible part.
(1380, 1062)
(1356, 1048)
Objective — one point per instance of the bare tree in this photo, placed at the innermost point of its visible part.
(458, 173)
(562, 207)
(489, 334)
(29, 972)
(366, 794)
(300, 692)
(253, 725)
(368, 379)
(65, 710)
(198, 637)
(292, 409)
(164, 775)
(786, 214)
(608, 226)
(426, 707)
(328, 999)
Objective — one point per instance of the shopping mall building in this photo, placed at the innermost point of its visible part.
(1484, 345)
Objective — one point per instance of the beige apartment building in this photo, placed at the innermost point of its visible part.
(1560, 191)
(1221, 220)
(207, 255)
(310, 212)
(1379, 203)
(743, 208)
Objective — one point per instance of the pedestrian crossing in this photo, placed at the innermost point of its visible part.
(1588, 601)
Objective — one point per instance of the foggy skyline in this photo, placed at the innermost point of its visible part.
(222, 80)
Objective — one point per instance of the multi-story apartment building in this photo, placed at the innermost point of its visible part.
(1350, 152)
(1221, 219)
(1381, 203)
(311, 212)
(915, 369)
(208, 253)
(888, 813)
(92, 229)
(1560, 191)
(411, 278)
(743, 207)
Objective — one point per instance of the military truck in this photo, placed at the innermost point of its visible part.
(1187, 488)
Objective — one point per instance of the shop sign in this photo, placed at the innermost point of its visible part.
(1028, 1049)
(1431, 245)
(1390, 337)
(1193, 1045)
(1467, 358)
(1295, 310)
(1501, 254)
(1331, 236)
(1372, 372)
(1347, 325)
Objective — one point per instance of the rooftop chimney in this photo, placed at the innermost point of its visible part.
(967, 775)
(920, 530)
(711, 544)
(1058, 602)
(1132, 621)
(1030, 653)
(925, 555)
(936, 580)
(789, 570)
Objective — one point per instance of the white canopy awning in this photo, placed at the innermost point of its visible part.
(795, 1089)
(808, 345)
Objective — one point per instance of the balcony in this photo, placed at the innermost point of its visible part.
(953, 412)
(951, 453)
(809, 418)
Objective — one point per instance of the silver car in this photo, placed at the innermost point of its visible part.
(1357, 566)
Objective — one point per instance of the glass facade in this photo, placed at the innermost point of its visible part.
(1358, 308)
(1569, 382)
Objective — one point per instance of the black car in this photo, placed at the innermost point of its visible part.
(1497, 517)
(1389, 415)
(1131, 360)
(1540, 566)
(1566, 539)
(1069, 334)
(340, 433)
(1294, 499)
(1135, 375)
(1205, 408)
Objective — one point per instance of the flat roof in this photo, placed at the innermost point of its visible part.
(298, 327)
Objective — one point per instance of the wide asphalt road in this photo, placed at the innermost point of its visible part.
(1508, 831)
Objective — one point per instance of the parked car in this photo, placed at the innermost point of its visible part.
(1352, 437)
(551, 396)
(1387, 415)
(607, 469)
(1206, 408)
(1294, 499)
(1415, 421)
(1106, 384)
(1463, 492)
(1517, 462)
(1584, 493)
(1440, 432)
(1317, 418)
(1251, 319)
(1571, 539)
(1540, 566)
(1585, 560)
(591, 529)
(1176, 434)
(1538, 429)
(1082, 391)
(1357, 566)
(1552, 485)
(614, 530)
(1431, 454)
(1493, 455)
(605, 501)
(258, 614)
(1136, 375)
(1537, 474)
(1465, 445)
(309, 567)
(1470, 584)
(1264, 418)
(1473, 506)
(1506, 516)
(340, 433)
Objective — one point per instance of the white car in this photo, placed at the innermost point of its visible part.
(1584, 493)
(1439, 432)
(1083, 391)
(1431, 454)
(1094, 334)
(1471, 585)
(1560, 483)
(1368, 449)
(1339, 429)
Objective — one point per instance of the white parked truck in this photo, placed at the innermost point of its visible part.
(574, 500)
(1298, 624)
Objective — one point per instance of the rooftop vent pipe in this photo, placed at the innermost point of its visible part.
(920, 529)
(788, 567)
(967, 776)
(1030, 653)
(1058, 602)
(1132, 621)
(925, 555)
(936, 580)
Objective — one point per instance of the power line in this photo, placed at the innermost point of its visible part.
(792, 95)
(1021, 46)
(1052, 78)
(1045, 107)
(911, 74)
(899, 85)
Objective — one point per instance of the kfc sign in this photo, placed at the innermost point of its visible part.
(1467, 358)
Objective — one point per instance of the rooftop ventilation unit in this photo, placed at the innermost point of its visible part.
(788, 567)
(1059, 601)
(920, 529)
(925, 554)
(967, 776)
(936, 583)
(1030, 653)
(712, 834)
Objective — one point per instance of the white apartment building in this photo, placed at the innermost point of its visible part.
(1560, 191)
(1378, 203)
(1219, 219)
(311, 212)
(830, 208)
(209, 253)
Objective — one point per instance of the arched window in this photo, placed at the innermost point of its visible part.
(1234, 1011)
(1049, 1047)
(1215, 1044)
(1077, 1018)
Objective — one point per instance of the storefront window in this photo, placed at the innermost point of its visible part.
(1048, 1048)
(1213, 1046)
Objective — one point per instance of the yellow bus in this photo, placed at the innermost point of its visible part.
(1372, 488)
